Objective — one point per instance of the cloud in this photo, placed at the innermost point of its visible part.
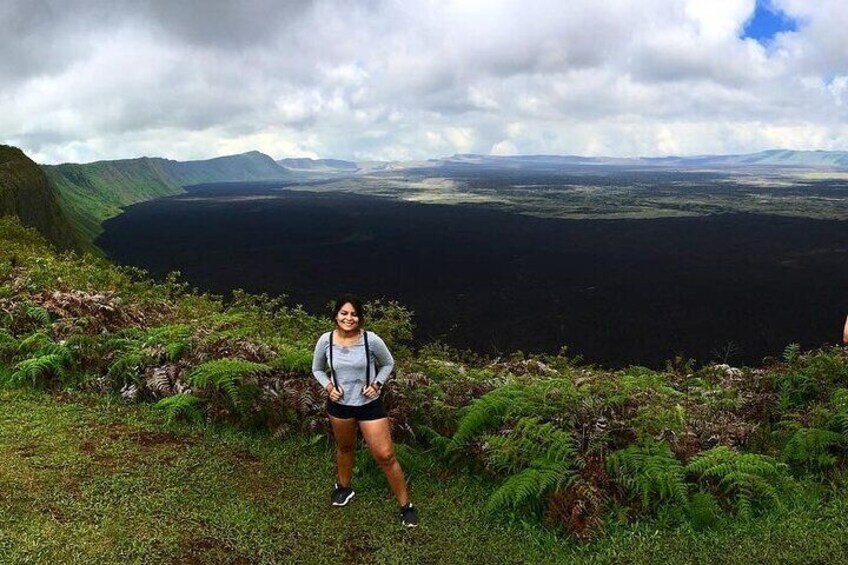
(386, 79)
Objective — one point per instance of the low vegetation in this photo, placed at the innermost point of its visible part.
(574, 450)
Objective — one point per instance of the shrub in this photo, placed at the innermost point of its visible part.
(745, 480)
(225, 378)
(813, 447)
(650, 472)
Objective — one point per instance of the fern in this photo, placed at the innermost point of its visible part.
(181, 406)
(127, 365)
(792, 353)
(293, 359)
(813, 447)
(839, 421)
(225, 376)
(704, 511)
(176, 349)
(37, 370)
(650, 470)
(551, 397)
(539, 457)
(745, 478)
(38, 341)
(38, 314)
(8, 345)
(528, 487)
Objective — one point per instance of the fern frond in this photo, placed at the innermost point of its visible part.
(791, 353)
(38, 314)
(35, 342)
(745, 478)
(512, 401)
(39, 368)
(224, 375)
(813, 447)
(487, 412)
(529, 443)
(293, 359)
(184, 405)
(650, 470)
(527, 488)
(128, 364)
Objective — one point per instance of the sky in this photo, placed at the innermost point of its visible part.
(83, 80)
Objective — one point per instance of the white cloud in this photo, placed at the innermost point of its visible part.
(505, 147)
(415, 79)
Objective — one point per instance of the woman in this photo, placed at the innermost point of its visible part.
(354, 387)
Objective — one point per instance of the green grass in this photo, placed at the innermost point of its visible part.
(89, 479)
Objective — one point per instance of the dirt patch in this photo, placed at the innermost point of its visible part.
(207, 550)
(245, 456)
(358, 549)
(87, 447)
(158, 438)
(65, 397)
(146, 438)
(57, 514)
(26, 451)
(116, 431)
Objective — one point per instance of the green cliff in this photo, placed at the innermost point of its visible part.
(26, 192)
(94, 192)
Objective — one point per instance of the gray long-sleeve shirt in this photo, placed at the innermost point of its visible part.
(349, 366)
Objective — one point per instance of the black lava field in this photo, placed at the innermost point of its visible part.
(726, 287)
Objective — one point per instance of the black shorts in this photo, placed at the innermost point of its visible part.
(374, 410)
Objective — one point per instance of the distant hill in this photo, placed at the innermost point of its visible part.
(93, 192)
(772, 158)
(319, 165)
(251, 166)
(783, 158)
(26, 192)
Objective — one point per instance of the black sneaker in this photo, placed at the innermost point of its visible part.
(341, 495)
(408, 516)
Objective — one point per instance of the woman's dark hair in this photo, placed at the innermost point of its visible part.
(353, 301)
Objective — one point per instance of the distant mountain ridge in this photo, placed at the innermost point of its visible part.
(771, 158)
(318, 165)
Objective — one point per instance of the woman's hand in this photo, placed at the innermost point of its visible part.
(372, 391)
(335, 393)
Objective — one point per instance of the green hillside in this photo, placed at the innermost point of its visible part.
(251, 166)
(94, 192)
(25, 192)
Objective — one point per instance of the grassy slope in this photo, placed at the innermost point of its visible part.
(25, 192)
(94, 192)
(86, 479)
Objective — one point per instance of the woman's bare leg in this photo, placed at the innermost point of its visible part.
(344, 431)
(377, 434)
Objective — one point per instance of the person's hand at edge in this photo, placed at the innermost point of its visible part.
(335, 393)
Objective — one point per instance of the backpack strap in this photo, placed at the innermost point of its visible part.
(332, 371)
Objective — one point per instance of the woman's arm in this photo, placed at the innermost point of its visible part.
(384, 358)
(845, 332)
(319, 361)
